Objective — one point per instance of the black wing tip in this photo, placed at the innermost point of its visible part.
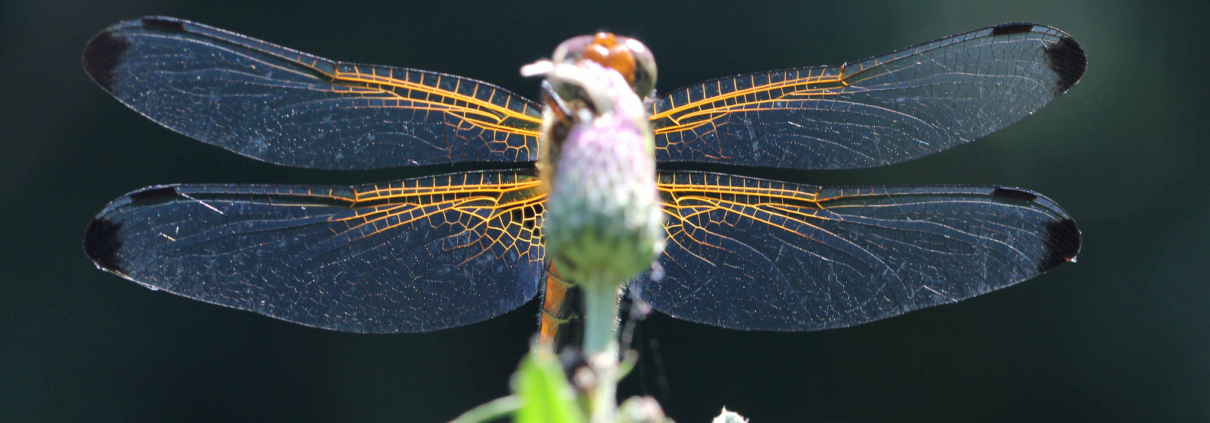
(102, 55)
(163, 23)
(1062, 244)
(152, 193)
(104, 51)
(1012, 28)
(102, 243)
(1014, 194)
(1067, 59)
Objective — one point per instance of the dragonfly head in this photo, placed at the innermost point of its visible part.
(626, 55)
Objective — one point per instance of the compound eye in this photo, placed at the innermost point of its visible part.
(606, 39)
(644, 71)
(572, 50)
(629, 57)
(607, 51)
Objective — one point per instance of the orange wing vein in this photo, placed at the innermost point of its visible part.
(882, 110)
(749, 253)
(291, 108)
(408, 256)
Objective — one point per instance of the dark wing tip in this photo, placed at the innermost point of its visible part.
(1062, 244)
(1067, 59)
(1014, 194)
(102, 243)
(104, 51)
(102, 55)
(1012, 28)
(152, 193)
(163, 23)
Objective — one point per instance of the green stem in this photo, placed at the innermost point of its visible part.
(600, 313)
(605, 396)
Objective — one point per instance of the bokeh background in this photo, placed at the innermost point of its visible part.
(1122, 335)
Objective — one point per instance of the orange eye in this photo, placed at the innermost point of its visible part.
(627, 56)
(597, 53)
(622, 61)
(606, 51)
(606, 39)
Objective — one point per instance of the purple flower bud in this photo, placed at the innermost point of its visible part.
(604, 222)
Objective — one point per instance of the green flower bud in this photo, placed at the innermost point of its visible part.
(604, 221)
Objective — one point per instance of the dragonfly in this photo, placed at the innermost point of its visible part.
(445, 250)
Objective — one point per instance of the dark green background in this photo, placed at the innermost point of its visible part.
(1123, 335)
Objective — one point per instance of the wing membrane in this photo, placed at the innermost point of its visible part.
(287, 107)
(748, 253)
(882, 110)
(409, 256)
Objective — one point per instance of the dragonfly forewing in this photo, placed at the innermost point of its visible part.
(291, 108)
(879, 111)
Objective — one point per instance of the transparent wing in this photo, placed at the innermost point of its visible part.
(748, 253)
(882, 110)
(290, 108)
(409, 256)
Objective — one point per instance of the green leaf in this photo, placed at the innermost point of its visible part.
(545, 394)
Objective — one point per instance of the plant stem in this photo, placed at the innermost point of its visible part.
(600, 313)
(605, 396)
